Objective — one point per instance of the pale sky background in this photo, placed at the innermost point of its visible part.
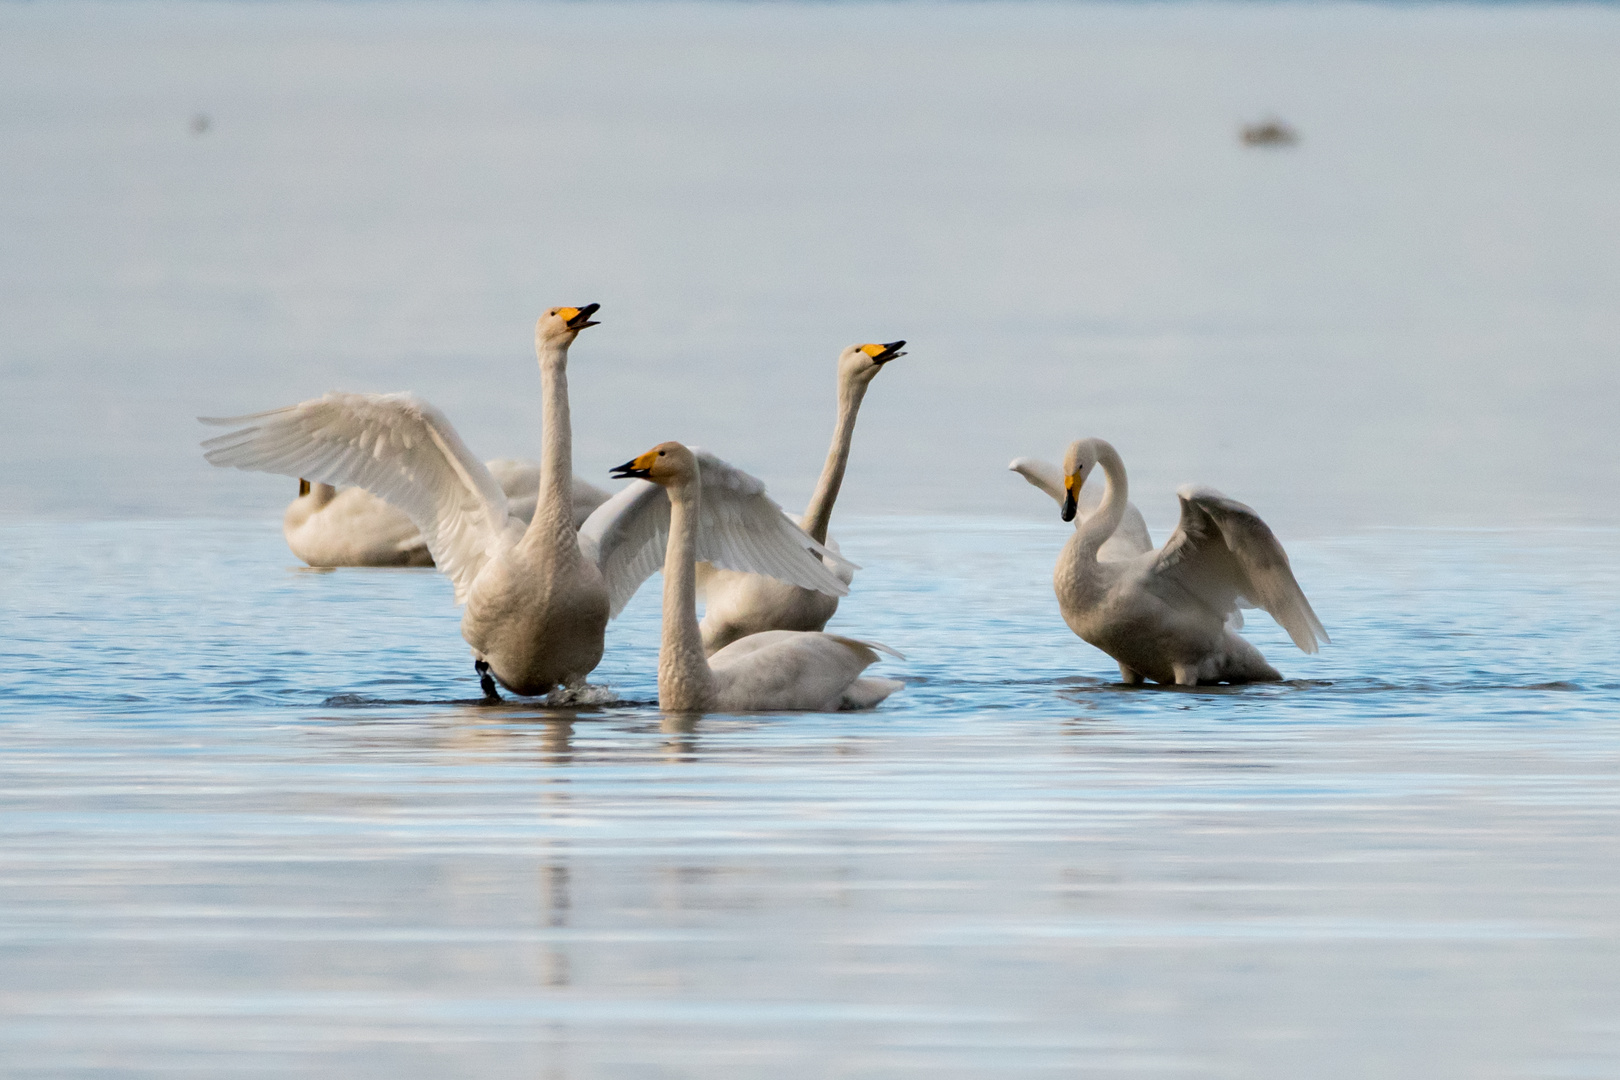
(1411, 317)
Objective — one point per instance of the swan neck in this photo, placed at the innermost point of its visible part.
(685, 681)
(554, 509)
(818, 514)
(1101, 525)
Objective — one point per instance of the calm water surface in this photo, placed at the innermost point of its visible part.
(253, 823)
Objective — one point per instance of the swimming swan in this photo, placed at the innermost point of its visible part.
(1162, 614)
(736, 605)
(352, 527)
(537, 598)
(775, 669)
(1129, 540)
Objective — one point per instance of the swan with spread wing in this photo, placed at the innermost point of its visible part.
(773, 669)
(1164, 615)
(736, 604)
(538, 596)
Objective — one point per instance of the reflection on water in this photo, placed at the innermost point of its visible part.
(258, 822)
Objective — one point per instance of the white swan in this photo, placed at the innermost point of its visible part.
(776, 669)
(537, 598)
(1129, 540)
(1162, 615)
(736, 605)
(352, 527)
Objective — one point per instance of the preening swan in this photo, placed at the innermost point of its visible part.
(1162, 615)
(1129, 540)
(775, 669)
(537, 598)
(736, 605)
(352, 527)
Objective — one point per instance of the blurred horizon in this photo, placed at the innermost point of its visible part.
(1406, 318)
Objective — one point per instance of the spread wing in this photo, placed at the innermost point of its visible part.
(397, 447)
(1041, 474)
(1223, 554)
(740, 528)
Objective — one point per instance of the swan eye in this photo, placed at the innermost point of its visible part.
(660, 453)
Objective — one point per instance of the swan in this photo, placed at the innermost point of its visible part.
(736, 605)
(352, 527)
(1163, 614)
(774, 669)
(1129, 540)
(537, 598)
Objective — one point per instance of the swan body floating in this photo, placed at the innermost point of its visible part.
(352, 527)
(774, 669)
(538, 597)
(1163, 614)
(735, 604)
(1129, 540)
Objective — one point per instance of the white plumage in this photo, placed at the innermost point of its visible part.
(537, 597)
(776, 669)
(736, 604)
(741, 528)
(1163, 615)
(1130, 539)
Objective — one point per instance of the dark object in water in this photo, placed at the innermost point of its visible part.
(1268, 133)
(200, 123)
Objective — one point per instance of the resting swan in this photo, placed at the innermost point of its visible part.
(775, 669)
(1129, 540)
(352, 527)
(537, 598)
(1162, 615)
(736, 605)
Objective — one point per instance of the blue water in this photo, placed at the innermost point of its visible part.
(255, 823)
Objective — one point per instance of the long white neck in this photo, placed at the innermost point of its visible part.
(1101, 525)
(685, 681)
(818, 514)
(553, 522)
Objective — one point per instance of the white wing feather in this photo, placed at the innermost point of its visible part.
(739, 528)
(396, 446)
(1222, 553)
(1041, 474)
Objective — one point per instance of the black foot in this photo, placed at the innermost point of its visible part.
(486, 681)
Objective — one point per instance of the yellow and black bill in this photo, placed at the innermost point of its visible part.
(578, 318)
(637, 468)
(1071, 496)
(882, 354)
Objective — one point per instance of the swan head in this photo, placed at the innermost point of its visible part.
(861, 362)
(318, 494)
(667, 464)
(1077, 465)
(560, 325)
